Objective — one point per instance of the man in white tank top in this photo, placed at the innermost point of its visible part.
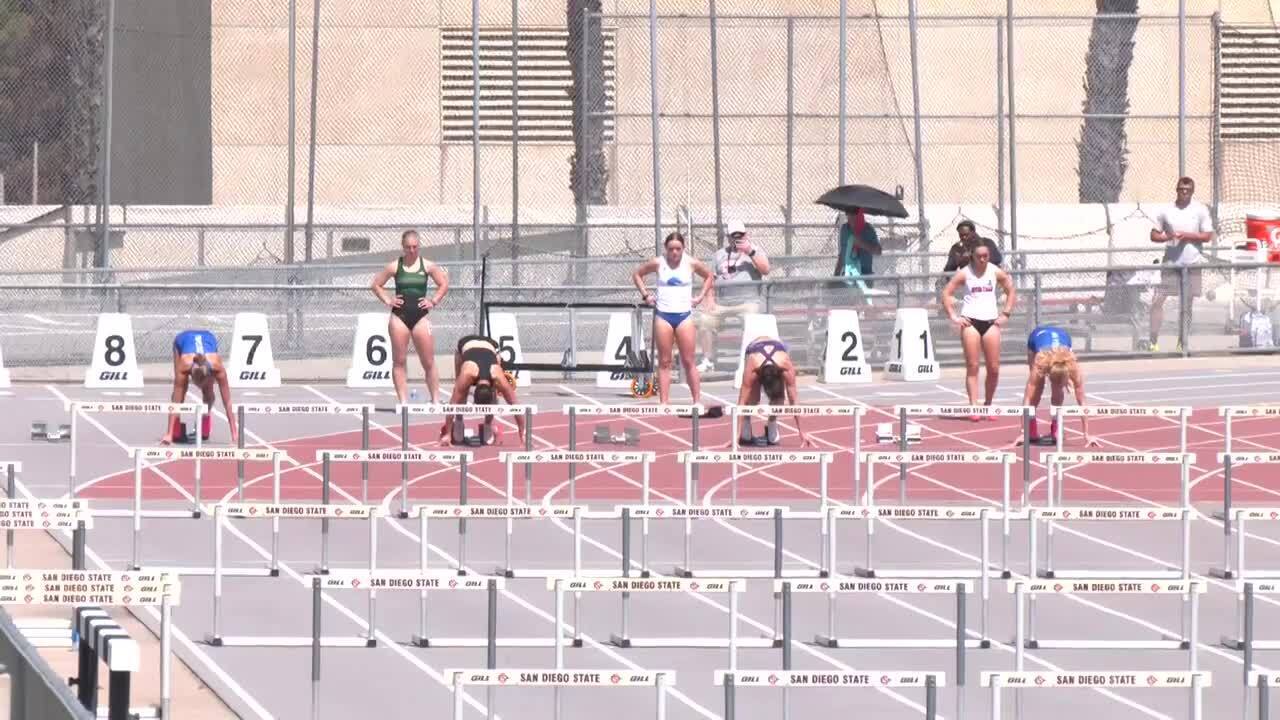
(980, 318)
(673, 304)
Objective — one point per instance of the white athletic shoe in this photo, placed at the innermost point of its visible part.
(706, 365)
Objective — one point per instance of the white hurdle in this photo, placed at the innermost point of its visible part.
(1228, 458)
(1076, 679)
(510, 459)
(445, 410)
(490, 678)
(1025, 592)
(1056, 512)
(733, 511)
(1062, 412)
(510, 513)
(857, 412)
(870, 511)
(634, 410)
(834, 587)
(425, 513)
(1246, 624)
(401, 457)
(243, 410)
(292, 511)
(78, 408)
(905, 412)
(628, 585)
(167, 454)
(572, 458)
(1233, 517)
(862, 679)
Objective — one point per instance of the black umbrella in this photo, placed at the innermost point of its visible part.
(872, 201)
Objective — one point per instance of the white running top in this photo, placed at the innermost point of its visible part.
(675, 286)
(980, 294)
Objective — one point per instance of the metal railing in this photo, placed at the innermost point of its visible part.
(35, 690)
(1107, 308)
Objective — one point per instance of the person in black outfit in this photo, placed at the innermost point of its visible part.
(477, 371)
(962, 251)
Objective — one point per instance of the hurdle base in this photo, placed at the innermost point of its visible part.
(1109, 574)
(288, 642)
(154, 514)
(1176, 644)
(552, 573)
(900, 573)
(685, 572)
(1223, 573)
(478, 642)
(207, 571)
(827, 641)
(691, 642)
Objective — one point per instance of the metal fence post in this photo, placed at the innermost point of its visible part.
(1215, 137)
(104, 259)
(1182, 88)
(291, 173)
(913, 22)
(715, 125)
(789, 211)
(515, 139)
(1000, 197)
(475, 129)
(653, 120)
(1013, 142)
(844, 58)
(311, 143)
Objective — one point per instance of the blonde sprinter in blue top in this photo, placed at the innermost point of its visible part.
(1050, 357)
(673, 304)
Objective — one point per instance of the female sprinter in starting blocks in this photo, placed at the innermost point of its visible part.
(1049, 355)
(478, 372)
(673, 304)
(196, 360)
(767, 367)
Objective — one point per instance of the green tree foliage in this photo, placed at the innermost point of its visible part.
(51, 92)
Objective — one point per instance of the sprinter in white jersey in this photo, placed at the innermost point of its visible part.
(980, 319)
(673, 304)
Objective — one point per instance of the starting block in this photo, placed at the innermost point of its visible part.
(884, 433)
(41, 431)
(462, 436)
(603, 436)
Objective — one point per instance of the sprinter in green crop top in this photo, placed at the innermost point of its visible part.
(409, 307)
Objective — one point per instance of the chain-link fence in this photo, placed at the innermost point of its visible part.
(527, 129)
(1107, 309)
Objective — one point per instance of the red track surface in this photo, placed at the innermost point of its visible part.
(934, 483)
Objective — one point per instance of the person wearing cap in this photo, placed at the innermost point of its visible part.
(858, 245)
(738, 262)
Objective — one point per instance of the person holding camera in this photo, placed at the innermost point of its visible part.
(738, 263)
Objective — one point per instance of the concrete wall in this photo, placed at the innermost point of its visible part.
(161, 143)
(379, 97)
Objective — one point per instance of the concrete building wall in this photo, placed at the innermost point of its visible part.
(379, 102)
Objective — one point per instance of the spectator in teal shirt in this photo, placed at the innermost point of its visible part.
(858, 244)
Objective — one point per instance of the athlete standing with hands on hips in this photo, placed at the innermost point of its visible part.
(196, 360)
(410, 305)
(1049, 355)
(980, 319)
(673, 304)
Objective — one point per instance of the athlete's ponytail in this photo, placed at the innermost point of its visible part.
(1057, 364)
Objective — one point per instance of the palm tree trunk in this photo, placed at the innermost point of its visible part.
(1102, 147)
